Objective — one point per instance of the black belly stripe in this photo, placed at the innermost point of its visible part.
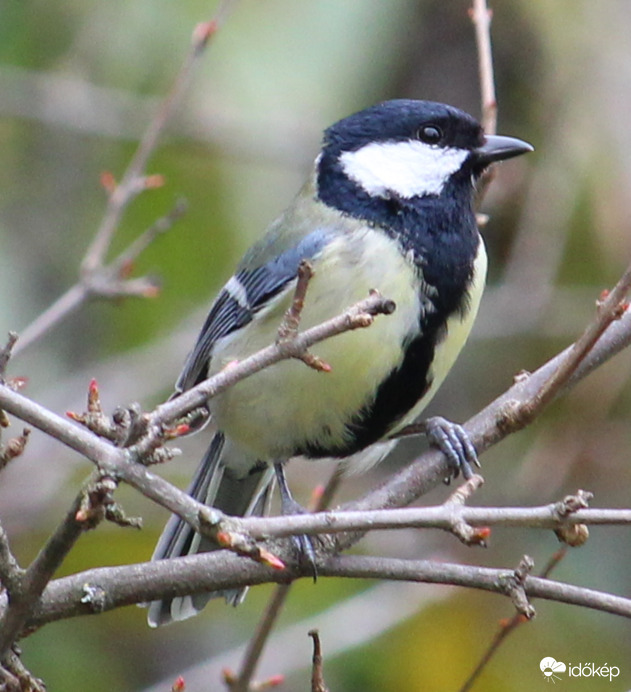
(395, 397)
(441, 228)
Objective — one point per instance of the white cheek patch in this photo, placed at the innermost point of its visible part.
(407, 169)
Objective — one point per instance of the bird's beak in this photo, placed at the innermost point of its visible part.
(499, 148)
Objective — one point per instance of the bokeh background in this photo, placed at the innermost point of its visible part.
(79, 81)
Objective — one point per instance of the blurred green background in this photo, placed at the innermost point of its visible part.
(79, 82)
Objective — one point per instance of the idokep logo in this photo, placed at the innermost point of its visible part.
(552, 670)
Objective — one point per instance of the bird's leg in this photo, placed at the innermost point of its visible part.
(454, 442)
(290, 506)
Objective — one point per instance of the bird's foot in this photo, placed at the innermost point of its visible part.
(302, 542)
(454, 442)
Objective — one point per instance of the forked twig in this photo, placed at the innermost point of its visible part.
(132, 182)
(97, 278)
(507, 627)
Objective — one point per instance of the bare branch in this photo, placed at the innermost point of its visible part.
(443, 517)
(507, 627)
(254, 649)
(276, 603)
(10, 571)
(609, 309)
(28, 585)
(288, 329)
(5, 353)
(105, 281)
(495, 421)
(124, 261)
(57, 312)
(486, 428)
(291, 320)
(132, 181)
(119, 586)
(110, 281)
(481, 17)
(317, 676)
(14, 677)
(120, 463)
(364, 567)
(359, 316)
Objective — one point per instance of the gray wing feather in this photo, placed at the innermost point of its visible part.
(229, 312)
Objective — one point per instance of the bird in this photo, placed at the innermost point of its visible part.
(389, 206)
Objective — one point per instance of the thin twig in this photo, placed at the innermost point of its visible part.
(481, 17)
(439, 517)
(13, 448)
(138, 246)
(317, 675)
(11, 573)
(329, 490)
(16, 677)
(508, 627)
(485, 429)
(256, 644)
(131, 182)
(291, 320)
(608, 310)
(34, 579)
(55, 313)
(106, 281)
(259, 638)
(109, 281)
(5, 353)
(359, 316)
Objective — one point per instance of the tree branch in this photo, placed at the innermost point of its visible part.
(481, 17)
(10, 571)
(110, 281)
(610, 308)
(132, 182)
(358, 316)
(24, 590)
(107, 588)
(486, 428)
(495, 421)
(440, 517)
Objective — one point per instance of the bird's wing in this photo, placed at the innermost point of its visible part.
(243, 296)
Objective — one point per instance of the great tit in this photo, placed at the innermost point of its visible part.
(389, 206)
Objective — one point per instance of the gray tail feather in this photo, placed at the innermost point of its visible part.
(215, 486)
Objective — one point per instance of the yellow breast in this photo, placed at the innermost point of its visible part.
(276, 410)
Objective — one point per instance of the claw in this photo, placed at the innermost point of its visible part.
(454, 442)
(303, 543)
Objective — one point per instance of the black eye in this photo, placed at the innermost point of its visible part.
(430, 134)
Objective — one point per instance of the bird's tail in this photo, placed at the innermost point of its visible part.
(214, 485)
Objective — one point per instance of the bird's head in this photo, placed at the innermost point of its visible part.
(405, 149)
